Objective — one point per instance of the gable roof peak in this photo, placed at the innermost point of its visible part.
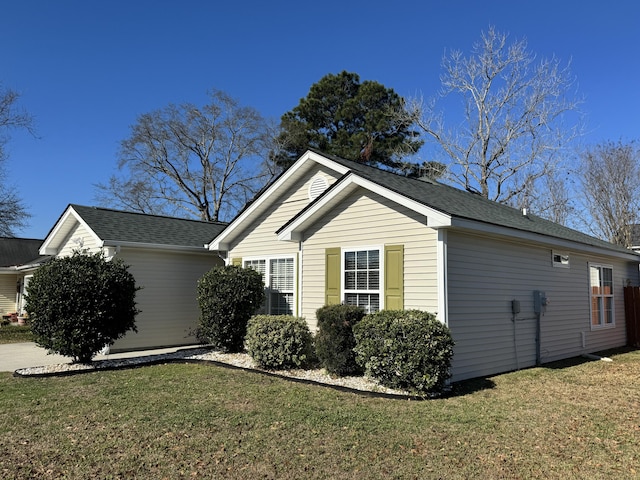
(470, 206)
(117, 227)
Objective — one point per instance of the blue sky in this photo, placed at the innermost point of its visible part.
(87, 69)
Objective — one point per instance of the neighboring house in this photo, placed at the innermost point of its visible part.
(19, 258)
(635, 237)
(333, 231)
(166, 256)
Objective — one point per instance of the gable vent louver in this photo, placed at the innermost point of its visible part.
(317, 186)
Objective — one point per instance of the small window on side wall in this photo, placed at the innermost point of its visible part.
(601, 291)
(560, 259)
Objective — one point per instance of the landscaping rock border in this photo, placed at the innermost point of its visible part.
(356, 384)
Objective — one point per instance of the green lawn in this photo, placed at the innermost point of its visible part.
(571, 421)
(15, 334)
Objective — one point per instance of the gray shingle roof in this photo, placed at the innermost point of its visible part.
(18, 251)
(133, 227)
(461, 204)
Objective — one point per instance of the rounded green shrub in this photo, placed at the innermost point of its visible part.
(77, 305)
(279, 342)
(228, 297)
(409, 350)
(335, 340)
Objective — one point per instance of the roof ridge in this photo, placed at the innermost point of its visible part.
(431, 181)
(113, 210)
(469, 205)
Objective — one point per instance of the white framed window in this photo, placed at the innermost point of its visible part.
(560, 259)
(278, 275)
(601, 294)
(362, 274)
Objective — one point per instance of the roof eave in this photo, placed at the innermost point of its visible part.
(226, 237)
(59, 232)
(292, 230)
(538, 238)
(155, 246)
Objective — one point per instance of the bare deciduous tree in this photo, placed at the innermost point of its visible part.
(513, 133)
(610, 180)
(199, 162)
(549, 195)
(13, 214)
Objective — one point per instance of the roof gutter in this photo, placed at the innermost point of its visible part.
(538, 238)
(154, 246)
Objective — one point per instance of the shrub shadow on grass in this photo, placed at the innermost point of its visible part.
(457, 389)
(473, 385)
(306, 381)
(587, 358)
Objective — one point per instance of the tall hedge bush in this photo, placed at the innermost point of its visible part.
(335, 340)
(77, 305)
(409, 350)
(279, 342)
(228, 297)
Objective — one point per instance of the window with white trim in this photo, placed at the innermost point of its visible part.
(601, 292)
(278, 275)
(362, 273)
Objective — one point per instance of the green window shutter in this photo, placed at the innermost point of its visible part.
(332, 276)
(394, 277)
(236, 262)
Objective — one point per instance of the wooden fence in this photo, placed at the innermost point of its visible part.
(632, 315)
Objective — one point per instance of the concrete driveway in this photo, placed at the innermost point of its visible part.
(24, 355)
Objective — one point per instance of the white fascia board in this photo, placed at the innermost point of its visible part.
(51, 244)
(222, 241)
(32, 266)
(348, 184)
(324, 161)
(155, 246)
(537, 238)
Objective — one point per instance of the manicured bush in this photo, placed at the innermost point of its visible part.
(279, 342)
(409, 350)
(228, 297)
(335, 340)
(77, 305)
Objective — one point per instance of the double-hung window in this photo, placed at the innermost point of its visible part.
(601, 291)
(362, 274)
(280, 286)
(278, 276)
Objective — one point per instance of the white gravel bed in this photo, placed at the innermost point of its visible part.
(241, 360)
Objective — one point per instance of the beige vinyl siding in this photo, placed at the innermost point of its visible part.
(168, 298)
(259, 238)
(8, 293)
(79, 238)
(367, 219)
(486, 274)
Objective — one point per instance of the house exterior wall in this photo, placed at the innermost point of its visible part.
(486, 274)
(8, 293)
(259, 237)
(79, 238)
(367, 219)
(168, 298)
